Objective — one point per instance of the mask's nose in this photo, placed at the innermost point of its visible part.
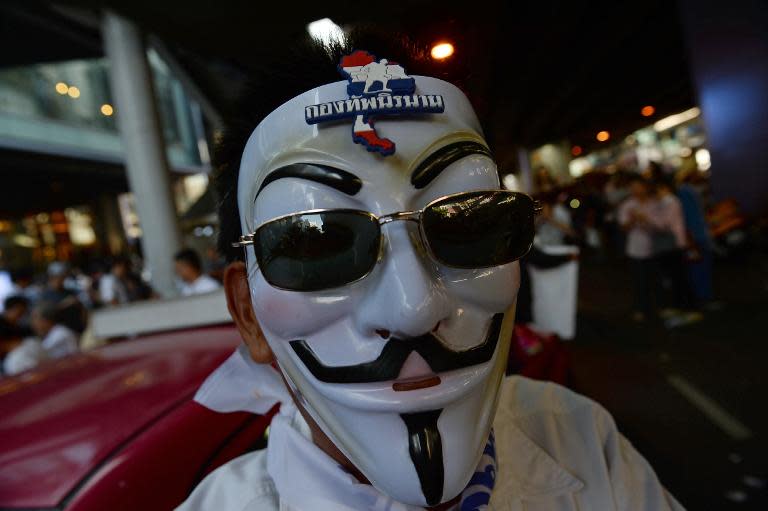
(405, 298)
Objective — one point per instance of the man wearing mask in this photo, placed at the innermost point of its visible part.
(373, 281)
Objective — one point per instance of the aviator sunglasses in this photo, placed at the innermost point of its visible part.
(327, 248)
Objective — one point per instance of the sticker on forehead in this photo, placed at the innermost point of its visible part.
(376, 87)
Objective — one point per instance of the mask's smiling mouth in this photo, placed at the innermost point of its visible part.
(408, 362)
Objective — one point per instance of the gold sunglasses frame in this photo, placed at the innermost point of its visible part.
(406, 216)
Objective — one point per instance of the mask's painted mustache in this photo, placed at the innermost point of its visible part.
(387, 365)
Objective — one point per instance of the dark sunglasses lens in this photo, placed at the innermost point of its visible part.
(313, 251)
(480, 229)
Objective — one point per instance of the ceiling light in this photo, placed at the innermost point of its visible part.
(674, 120)
(62, 88)
(602, 136)
(325, 31)
(106, 109)
(73, 92)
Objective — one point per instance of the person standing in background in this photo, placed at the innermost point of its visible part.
(54, 340)
(670, 225)
(189, 268)
(14, 309)
(634, 217)
(112, 287)
(700, 252)
(554, 226)
(71, 312)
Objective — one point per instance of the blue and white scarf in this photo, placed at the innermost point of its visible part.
(477, 494)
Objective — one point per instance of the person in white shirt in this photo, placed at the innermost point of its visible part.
(554, 224)
(112, 288)
(373, 282)
(189, 269)
(53, 341)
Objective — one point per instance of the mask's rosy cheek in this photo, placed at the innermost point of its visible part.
(292, 314)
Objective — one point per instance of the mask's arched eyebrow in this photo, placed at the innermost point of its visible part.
(436, 162)
(339, 179)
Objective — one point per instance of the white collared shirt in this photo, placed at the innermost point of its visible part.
(556, 451)
(59, 342)
(202, 284)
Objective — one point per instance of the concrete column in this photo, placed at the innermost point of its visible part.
(110, 226)
(141, 134)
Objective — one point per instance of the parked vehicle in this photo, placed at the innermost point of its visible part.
(116, 429)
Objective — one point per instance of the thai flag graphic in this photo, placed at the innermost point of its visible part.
(376, 87)
(370, 77)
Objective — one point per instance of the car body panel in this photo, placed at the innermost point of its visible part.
(159, 469)
(68, 421)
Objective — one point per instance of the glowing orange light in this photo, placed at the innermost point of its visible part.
(73, 92)
(106, 109)
(602, 136)
(442, 51)
(576, 150)
(647, 111)
(62, 88)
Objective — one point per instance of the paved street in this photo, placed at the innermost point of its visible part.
(692, 400)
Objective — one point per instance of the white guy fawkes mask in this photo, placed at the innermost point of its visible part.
(418, 446)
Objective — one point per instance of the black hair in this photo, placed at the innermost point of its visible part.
(190, 257)
(306, 65)
(15, 301)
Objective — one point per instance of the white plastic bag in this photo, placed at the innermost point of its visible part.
(555, 293)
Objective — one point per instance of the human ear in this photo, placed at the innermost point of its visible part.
(241, 309)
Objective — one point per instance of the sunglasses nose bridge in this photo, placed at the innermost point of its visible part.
(405, 216)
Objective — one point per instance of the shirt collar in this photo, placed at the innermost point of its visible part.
(525, 468)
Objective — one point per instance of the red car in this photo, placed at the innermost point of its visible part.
(116, 428)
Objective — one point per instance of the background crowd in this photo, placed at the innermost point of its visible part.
(661, 221)
(46, 315)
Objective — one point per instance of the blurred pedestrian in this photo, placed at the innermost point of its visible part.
(670, 243)
(634, 217)
(11, 319)
(700, 249)
(112, 286)
(57, 339)
(71, 311)
(24, 285)
(554, 224)
(543, 181)
(189, 268)
(54, 340)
